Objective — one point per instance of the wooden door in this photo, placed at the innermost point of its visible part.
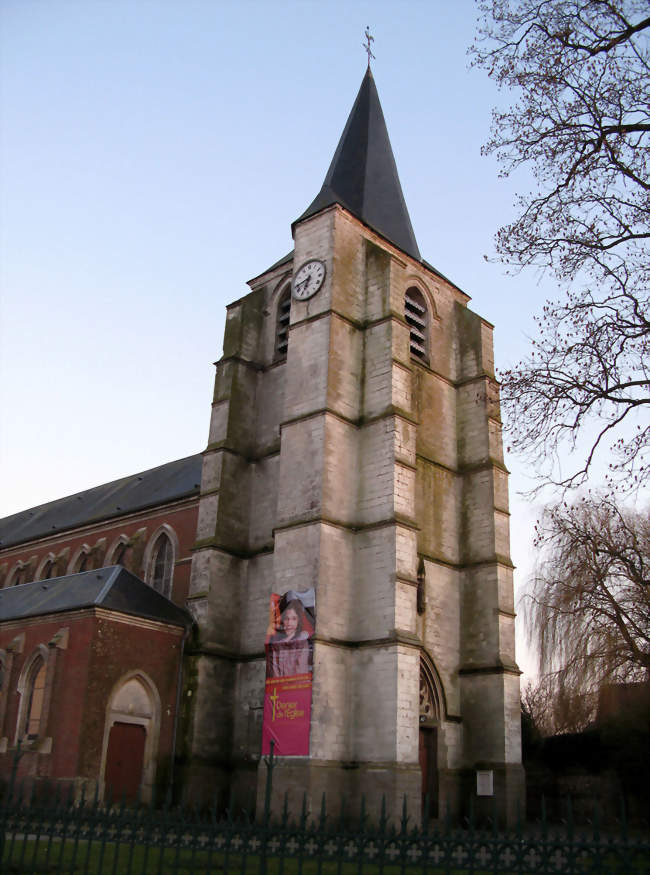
(428, 768)
(124, 761)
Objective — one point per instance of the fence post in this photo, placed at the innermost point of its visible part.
(624, 818)
(7, 798)
(269, 761)
(14, 769)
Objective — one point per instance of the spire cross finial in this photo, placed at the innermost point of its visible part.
(369, 39)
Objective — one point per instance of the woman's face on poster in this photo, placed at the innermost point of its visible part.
(290, 622)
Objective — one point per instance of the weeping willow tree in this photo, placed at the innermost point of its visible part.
(588, 611)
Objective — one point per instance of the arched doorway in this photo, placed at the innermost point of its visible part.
(131, 740)
(428, 741)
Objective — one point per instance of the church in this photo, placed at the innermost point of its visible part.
(354, 469)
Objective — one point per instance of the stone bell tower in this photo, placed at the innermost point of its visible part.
(355, 447)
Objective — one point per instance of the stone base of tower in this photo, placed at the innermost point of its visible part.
(204, 784)
(345, 786)
(507, 804)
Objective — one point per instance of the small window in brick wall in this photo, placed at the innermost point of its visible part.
(282, 325)
(417, 317)
(19, 575)
(162, 566)
(119, 556)
(48, 570)
(35, 696)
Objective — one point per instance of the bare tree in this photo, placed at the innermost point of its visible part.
(549, 708)
(589, 609)
(582, 123)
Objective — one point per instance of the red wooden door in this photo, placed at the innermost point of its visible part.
(428, 768)
(124, 761)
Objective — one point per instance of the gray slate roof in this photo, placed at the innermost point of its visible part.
(363, 175)
(113, 588)
(175, 480)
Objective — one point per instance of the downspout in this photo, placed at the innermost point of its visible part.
(179, 688)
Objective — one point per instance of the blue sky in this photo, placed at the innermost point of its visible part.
(152, 158)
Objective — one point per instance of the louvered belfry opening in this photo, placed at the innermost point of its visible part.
(282, 327)
(415, 313)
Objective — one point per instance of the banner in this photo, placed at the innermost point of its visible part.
(289, 662)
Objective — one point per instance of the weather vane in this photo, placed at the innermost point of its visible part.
(369, 39)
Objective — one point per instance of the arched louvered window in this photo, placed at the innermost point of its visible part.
(417, 317)
(82, 562)
(282, 324)
(162, 565)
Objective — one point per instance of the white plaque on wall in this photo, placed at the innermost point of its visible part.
(485, 783)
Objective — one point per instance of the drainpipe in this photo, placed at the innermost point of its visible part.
(179, 689)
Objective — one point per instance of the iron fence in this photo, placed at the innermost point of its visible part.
(57, 834)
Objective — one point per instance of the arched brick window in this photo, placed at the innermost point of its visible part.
(6, 661)
(18, 575)
(48, 570)
(416, 314)
(119, 555)
(81, 563)
(162, 565)
(282, 324)
(35, 695)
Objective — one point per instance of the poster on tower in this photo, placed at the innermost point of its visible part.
(289, 662)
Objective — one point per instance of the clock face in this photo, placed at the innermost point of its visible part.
(308, 279)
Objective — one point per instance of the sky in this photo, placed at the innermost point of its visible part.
(153, 154)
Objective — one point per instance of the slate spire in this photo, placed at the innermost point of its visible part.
(363, 176)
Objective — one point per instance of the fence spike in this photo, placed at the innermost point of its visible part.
(213, 807)
(57, 796)
(623, 817)
(596, 820)
(303, 811)
(323, 811)
(405, 816)
(382, 817)
(270, 765)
